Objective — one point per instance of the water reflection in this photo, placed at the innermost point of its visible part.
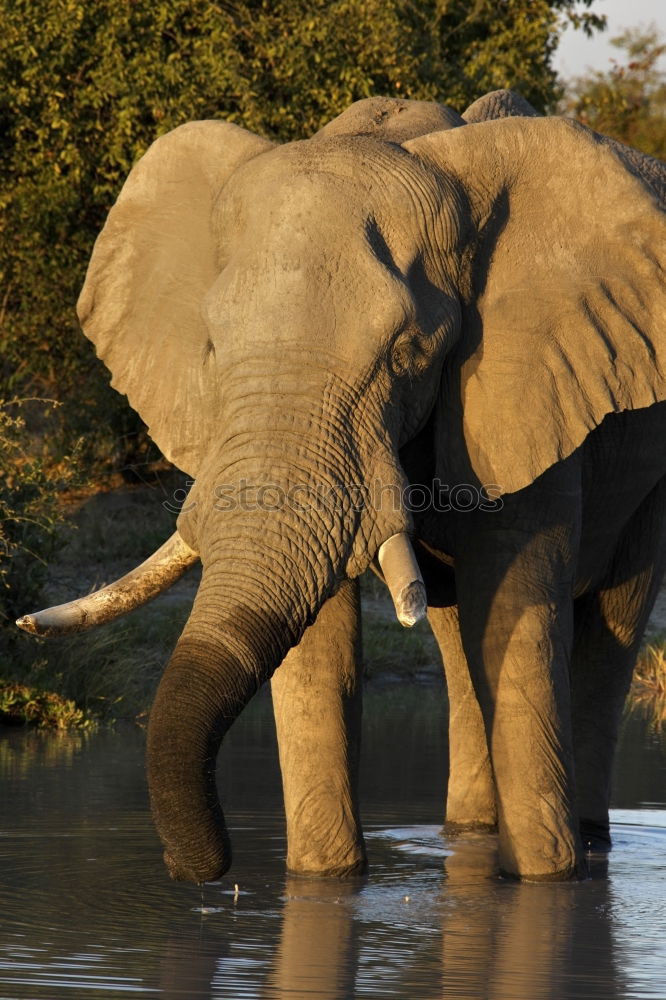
(87, 911)
(467, 937)
(38, 748)
(526, 941)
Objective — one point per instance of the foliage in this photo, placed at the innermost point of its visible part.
(87, 87)
(30, 512)
(390, 651)
(21, 705)
(648, 689)
(628, 101)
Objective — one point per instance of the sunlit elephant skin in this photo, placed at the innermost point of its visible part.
(404, 298)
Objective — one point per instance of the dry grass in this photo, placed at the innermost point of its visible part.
(110, 672)
(110, 532)
(648, 689)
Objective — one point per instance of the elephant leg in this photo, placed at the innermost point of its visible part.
(609, 625)
(514, 579)
(317, 700)
(520, 668)
(470, 797)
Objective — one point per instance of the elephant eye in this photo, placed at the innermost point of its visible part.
(400, 357)
(406, 355)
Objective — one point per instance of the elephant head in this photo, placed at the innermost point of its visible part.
(289, 320)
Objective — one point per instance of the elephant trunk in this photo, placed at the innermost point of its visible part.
(207, 683)
(270, 560)
(250, 609)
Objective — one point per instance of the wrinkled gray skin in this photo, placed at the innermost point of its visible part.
(403, 298)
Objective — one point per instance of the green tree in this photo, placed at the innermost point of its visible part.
(627, 101)
(87, 86)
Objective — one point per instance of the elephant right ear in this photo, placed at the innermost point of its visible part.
(151, 266)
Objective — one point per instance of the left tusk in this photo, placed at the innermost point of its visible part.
(403, 579)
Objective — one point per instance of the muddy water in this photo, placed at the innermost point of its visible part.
(86, 910)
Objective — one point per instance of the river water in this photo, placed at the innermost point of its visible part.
(87, 911)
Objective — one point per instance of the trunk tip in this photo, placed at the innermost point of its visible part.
(207, 873)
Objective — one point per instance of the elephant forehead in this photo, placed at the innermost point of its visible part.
(340, 205)
(344, 179)
(391, 119)
(288, 206)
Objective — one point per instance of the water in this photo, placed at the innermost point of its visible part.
(86, 909)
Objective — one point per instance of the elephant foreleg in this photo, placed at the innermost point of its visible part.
(609, 625)
(317, 700)
(470, 798)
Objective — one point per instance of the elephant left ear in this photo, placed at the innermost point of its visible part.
(150, 271)
(562, 287)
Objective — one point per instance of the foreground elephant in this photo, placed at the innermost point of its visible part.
(405, 298)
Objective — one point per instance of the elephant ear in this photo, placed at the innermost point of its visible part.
(562, 288)
(499, 104)
(151, 266)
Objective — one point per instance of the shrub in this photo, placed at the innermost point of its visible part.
(30, 511)
(21, 705)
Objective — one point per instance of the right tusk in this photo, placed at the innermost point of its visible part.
(403, 579)
(137, 587)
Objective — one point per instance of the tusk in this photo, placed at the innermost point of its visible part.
(137, 587)
(403, 579)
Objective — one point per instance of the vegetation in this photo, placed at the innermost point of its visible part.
(21, 705)
(389, 650)
(30, 512)
(648, 691)
(628, 101)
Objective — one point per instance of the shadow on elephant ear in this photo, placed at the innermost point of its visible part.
(453, 463)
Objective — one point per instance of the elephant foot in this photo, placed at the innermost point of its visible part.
(355, 869)
(595, 836)
(572, 873)
(541, 854)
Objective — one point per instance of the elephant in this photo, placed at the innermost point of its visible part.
(418, 341)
